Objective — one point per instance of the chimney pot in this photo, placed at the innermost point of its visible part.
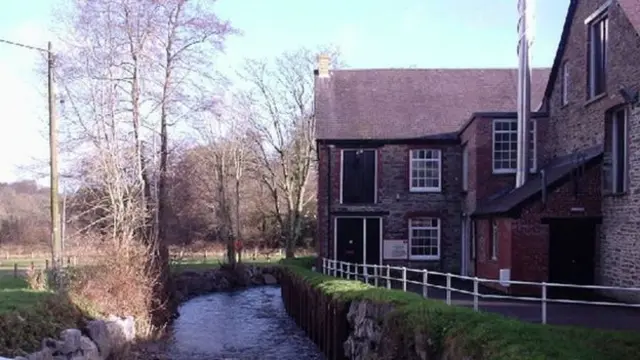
(323, 65)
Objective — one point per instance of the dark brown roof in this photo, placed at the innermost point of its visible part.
(409, 103)
(557, 171)
(631, 9)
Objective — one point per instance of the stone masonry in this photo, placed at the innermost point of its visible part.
(395, 198)
(580, 124)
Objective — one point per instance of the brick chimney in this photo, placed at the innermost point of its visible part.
(323, 65)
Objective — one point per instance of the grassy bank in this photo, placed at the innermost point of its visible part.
(27, 316)
(461, 332)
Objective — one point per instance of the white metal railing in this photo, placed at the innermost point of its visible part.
(374, 274)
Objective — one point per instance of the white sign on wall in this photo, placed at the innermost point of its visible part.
(396, 249)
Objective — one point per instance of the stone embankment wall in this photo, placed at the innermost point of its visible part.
(99, 340)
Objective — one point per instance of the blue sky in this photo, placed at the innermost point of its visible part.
(370, 33)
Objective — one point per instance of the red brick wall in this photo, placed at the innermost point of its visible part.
(478, 137)
(531, 238)
(486, 267)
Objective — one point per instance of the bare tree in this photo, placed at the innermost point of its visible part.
(130, 70)
(280, 99)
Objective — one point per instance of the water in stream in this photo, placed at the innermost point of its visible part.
(242, 325)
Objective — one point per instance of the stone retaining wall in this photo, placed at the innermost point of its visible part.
(99, 340)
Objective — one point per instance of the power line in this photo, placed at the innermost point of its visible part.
(23, 45)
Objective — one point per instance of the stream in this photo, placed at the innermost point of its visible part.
(241, 325)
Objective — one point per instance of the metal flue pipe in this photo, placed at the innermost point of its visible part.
(525, 39)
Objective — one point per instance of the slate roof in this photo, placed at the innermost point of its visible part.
(557, 171)
(410, 103)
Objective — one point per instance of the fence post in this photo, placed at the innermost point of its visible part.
(425, 283)
(388, 277)
(475, 293)
(324, 266)
(46, 264)
(404, 279)
(375, 275)
(15, 270)
(448, 288)
(335, 268)
(544, 302)
(365, 267)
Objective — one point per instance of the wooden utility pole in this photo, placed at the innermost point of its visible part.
(53, 154)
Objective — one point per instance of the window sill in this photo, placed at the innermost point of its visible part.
(424, 258)
(595, 99)
(615, 195)
(417, 191)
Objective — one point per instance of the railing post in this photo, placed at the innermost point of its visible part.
(375, 275)
(475, 293)
(366, 273)
(544, 302)
(388, 277)
(324, 266)
(404, 279)
(448, 288)
(335, 268)
(425, 283)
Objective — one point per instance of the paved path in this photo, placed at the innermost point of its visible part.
(594, 316)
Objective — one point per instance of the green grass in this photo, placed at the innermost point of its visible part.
(478, 334)
(212, 263)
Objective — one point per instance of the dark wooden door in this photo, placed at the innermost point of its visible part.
(350, 240)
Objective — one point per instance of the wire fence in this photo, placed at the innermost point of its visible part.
(424, 280)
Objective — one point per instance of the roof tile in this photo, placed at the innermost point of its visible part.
(409, 103)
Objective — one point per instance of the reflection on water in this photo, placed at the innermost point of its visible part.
(244, 325)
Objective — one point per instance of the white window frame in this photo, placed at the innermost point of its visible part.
(615, 157)
(465, 168)
(495, 238)
(565, 83)
(437, 160)
(596, 17)
(438, 230)
(532, 138)
(375, 170)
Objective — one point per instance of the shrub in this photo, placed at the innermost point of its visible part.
(121, 285)
(456, 332)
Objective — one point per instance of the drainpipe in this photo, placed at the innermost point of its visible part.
(329, 188)
(525, 39)
(543, 180)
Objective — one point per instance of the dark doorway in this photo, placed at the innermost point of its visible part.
(572, 248)
(358, 240)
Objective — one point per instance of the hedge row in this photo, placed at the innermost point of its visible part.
(478, 335)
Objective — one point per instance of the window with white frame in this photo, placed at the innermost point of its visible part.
(424, 238)
(616, 163)
(598, 28)
(465, 168)
(505, 145)
(495, 238)
(424, 172)
(565, 83)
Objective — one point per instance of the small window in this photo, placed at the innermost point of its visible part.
(494, 240)
(615, 165)
(565, 83)
(505, 145)
(424, 238)
(424, 172)
(465, 169)
(597, 54)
